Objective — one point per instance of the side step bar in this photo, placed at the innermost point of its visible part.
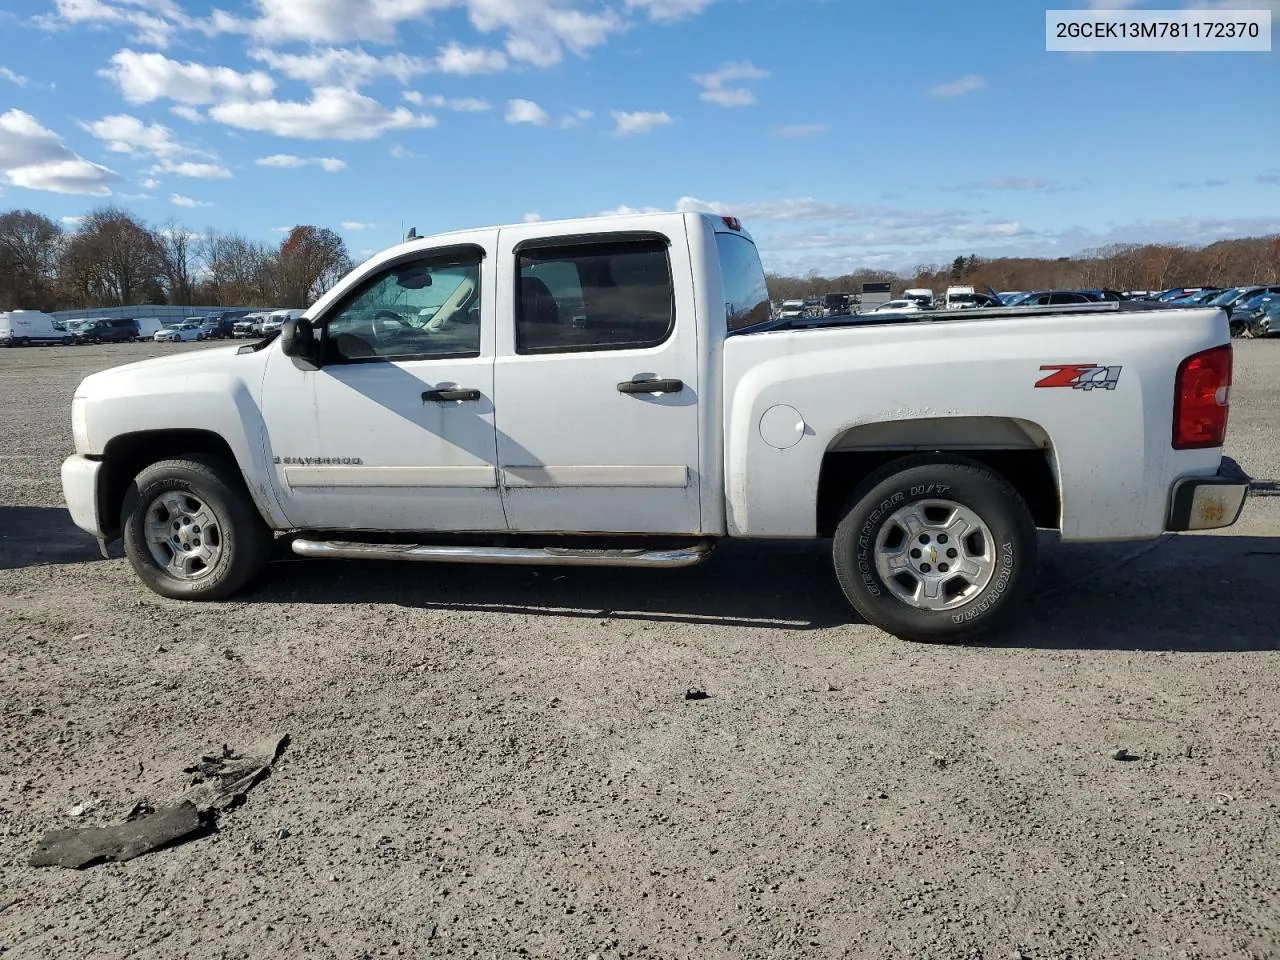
(529, 556)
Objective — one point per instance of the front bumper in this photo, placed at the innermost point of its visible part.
(80, 490)
(1208, 503)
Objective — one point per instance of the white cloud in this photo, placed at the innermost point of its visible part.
(531, 218)
(122, 133)
(469, 61)
(341, 66)
(195, 171)
(332, 113)
(575, 119)
(630, 124)
(357, 225)
(459, 104)
(1013, 183)
(970, 83)
(281, 229)
(626, 211)
(400, 152)
(189, 114)
(150, 183)
(144, 77)
(12, 77)
(289, 161)
(73, 221)
(178, 200)
(150, 27)
(663, 11)
(34, 157)
(716, 86)
(526, 111)
(797, 131)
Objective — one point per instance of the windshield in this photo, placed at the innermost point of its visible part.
(1225, 297)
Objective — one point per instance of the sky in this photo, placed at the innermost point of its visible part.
(844, 134)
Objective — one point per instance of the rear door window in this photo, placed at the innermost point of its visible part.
(601, 295)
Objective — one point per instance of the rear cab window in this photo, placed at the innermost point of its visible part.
(746, 294)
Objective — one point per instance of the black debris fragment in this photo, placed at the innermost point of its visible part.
(80, 848)
(693, 693)
(1124, 755)
(218, 783)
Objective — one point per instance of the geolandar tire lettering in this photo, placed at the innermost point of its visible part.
(997, 554)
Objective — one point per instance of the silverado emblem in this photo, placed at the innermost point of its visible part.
(319, 461)
(1080, 376)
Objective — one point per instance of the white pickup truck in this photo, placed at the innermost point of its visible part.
(614, 392)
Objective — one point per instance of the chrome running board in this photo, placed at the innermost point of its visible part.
(528, 556)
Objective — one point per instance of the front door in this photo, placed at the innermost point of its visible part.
(597, 384)
(395, 431)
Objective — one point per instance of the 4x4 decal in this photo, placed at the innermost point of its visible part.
(1080, 376)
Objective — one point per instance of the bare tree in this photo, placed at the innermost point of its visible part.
(177, 260)
(114, 260)
(236, 270)
(30, 248)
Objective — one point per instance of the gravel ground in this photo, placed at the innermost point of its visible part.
(499, 762)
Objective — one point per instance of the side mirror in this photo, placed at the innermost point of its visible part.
(298, 341)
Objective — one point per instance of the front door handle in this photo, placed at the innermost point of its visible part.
(651, 386)
(445, 396)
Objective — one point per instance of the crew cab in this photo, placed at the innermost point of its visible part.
(614, 392)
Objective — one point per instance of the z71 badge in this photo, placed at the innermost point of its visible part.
(1080, 376)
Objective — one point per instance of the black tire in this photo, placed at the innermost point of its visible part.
(932, 477)
(245, 541)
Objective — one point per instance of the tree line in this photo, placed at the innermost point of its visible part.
(1121, 266)
(112, 258)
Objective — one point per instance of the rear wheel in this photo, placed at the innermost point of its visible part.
(190, 530)
(935, 548)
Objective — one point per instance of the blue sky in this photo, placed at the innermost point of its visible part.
(845, 134)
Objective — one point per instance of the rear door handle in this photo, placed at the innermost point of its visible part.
(445, 396)
(651, 386)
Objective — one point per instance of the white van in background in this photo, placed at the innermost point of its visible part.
(22, 328)
(960, 298)
(921, 296)
(148, 327)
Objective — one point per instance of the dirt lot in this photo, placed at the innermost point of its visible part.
(500, 762)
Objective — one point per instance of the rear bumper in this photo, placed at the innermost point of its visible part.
(80, 489)
(1207, 503)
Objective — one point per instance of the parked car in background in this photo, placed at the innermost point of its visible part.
(218, 328)
(1267, 322)
(1051, 298)
(919, 295)
(837, 304)
(250, 325)
(1007, 296)
(1248, 310)
(1197, 298)
(179, 332)
(27, 328)
(899, 306)
(105, 330)
(791, 310)
(275, 320)
(148, 326)
(1174, 293)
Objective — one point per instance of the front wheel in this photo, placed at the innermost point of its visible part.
(190, 530)
(935, 548)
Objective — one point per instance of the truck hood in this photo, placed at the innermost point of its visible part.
(110, 381)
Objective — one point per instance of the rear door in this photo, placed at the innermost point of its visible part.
(596, 380)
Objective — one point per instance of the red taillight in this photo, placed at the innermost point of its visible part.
(1201, 399)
